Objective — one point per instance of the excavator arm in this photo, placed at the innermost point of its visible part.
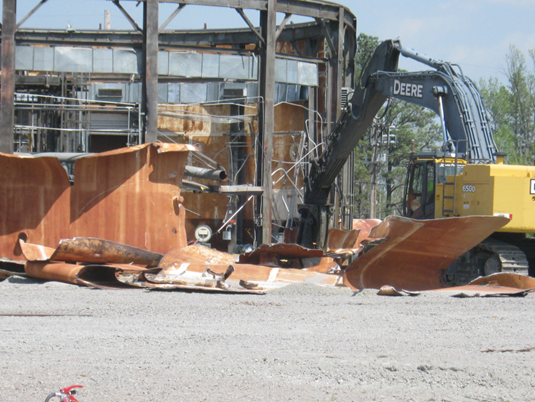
(366, 102)
(452, 96)
(444, 90)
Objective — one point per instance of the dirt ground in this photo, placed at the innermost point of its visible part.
(299, 343)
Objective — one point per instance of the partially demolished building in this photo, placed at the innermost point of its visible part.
(256, 102)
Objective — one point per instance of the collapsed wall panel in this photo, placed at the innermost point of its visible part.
(130, 196)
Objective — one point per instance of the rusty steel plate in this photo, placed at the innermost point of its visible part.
(415, 253)
(129, 196)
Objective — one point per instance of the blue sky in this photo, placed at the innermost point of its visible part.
(476, 34)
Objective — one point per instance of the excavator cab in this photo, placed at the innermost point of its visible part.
(427, 176)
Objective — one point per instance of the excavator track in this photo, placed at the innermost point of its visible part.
(511, 258)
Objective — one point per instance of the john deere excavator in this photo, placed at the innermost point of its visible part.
(466, 178)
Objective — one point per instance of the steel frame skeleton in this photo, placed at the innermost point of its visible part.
(334, 23)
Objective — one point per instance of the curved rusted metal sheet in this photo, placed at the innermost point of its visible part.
(196, 253)
(53, 271)
(291, 256)
(416, 252)
(506, 279)
(342, 239)
(36, 252)
(365, 226)
(90, 250)
(99, 251)
(498, 284)
(129, 196)
(100, 276)
(34, 203)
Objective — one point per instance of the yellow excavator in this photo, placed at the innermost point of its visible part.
(467, 177)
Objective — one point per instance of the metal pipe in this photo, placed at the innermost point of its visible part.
(421, 57)
(203, 173)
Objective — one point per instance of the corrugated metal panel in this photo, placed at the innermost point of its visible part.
(252, 92)
(76, 60)
(163, 63)
(213, 91)
(102, 60)
(293, 76)
(281, 66)
(173, 93)
(182, 64)
(43, 58)
(307, 74)
(185, 64)
(193, 93)
(108, 121)
(210, 66)
(126, 61)
(162, 93)
(234, 67)
(134, 92)
(24, 58)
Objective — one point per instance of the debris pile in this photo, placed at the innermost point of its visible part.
(121, 224)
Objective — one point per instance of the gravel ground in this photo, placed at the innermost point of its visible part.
(299, 343)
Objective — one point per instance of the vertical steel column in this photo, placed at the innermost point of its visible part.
(150, 71)
(336, 75)
(7, 107)
(266, 120)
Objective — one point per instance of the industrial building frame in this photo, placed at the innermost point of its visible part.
(333, 29)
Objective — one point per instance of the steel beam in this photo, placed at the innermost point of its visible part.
(282, 25)
(22, 21)
(266, 121)
(127, 16)
(171, 17)
(7, 106)
(123, 38)
(309, 8)
(248, 22)
(150, 71)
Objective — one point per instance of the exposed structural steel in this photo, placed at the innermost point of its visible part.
(334, 26)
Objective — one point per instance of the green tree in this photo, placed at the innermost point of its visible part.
(497, 99)
(521, 98)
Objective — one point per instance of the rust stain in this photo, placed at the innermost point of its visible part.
(408, 260)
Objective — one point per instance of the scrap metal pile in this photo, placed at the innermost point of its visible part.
(121, 224)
